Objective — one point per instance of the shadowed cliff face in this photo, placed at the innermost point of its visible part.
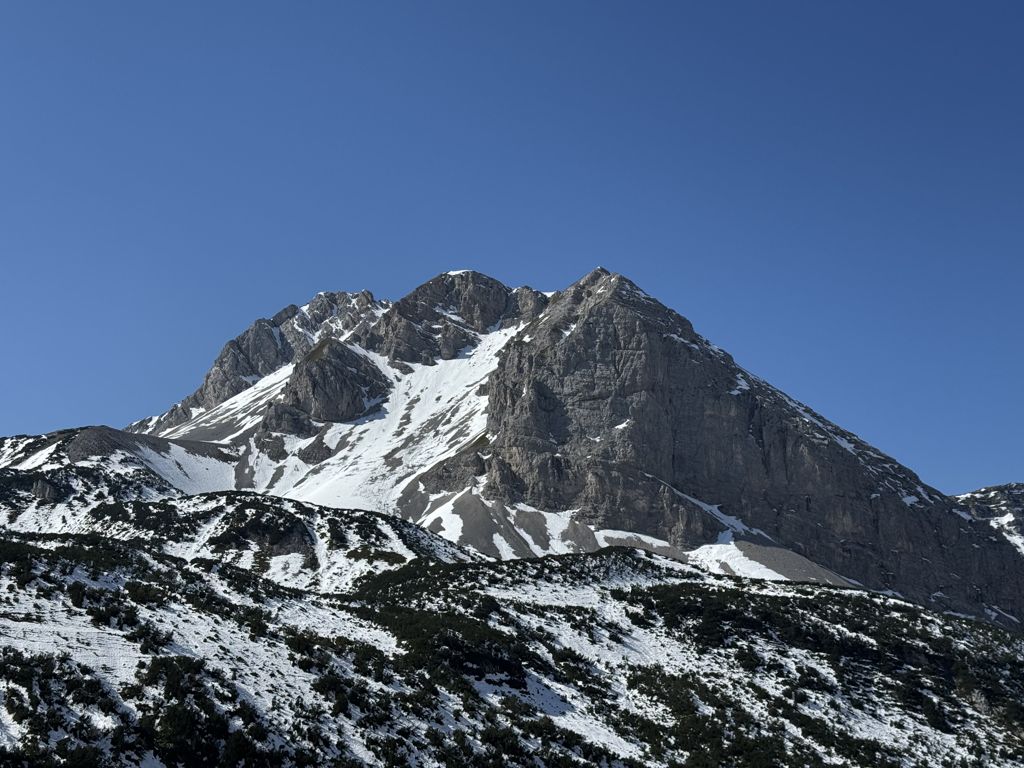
(334, 383)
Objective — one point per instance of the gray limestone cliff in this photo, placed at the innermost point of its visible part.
(611, 405)
(607, 405)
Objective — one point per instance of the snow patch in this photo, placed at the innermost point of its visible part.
(742, 385)
(729, 559)
(189, 472)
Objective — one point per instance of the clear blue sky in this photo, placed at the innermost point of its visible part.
(834, 192)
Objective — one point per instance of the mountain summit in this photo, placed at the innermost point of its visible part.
(482, 524)
(520, 423)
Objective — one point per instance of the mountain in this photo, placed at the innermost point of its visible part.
(483, 525)
(520, 423)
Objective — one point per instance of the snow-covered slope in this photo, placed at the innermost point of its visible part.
(127, 486)
(432, 412)
(50, 483)
(296, 545)
(237, 416)
(118, 653)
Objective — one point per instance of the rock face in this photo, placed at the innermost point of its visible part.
(446, 314)
(267, 345)
(611, 405)
(333, 383)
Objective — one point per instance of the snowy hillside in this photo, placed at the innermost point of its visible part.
(101, 481)
(121, 653)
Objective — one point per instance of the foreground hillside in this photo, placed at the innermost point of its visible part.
(139, 651)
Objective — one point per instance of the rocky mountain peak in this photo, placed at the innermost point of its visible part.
(594, 276)
(605, 283)
(266, 346)
(522, 423)
(613, 298)
(447, 314)
(465, 296)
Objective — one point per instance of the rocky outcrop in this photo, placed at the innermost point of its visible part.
(446, 315)
(266, 346)
(335, 383)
